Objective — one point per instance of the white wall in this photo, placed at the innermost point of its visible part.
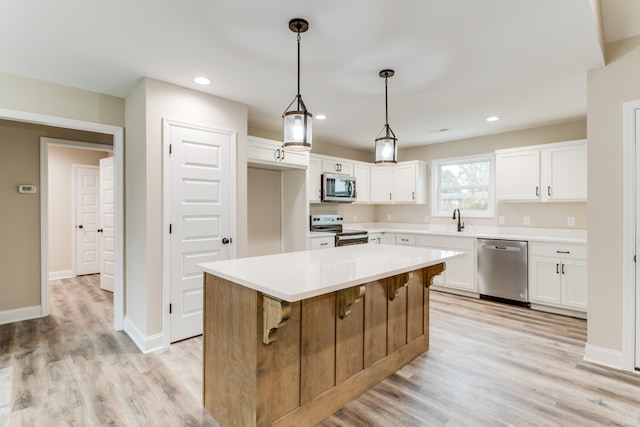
(146, 107)
(607, 89)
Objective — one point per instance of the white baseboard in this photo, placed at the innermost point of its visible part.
(18, 314)
(604, 356)
(144, 343)
(64, 274)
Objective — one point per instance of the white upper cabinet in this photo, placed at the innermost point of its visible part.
(314, 180)
(518, 175)
(547, 173)
(381, 190)
(361, 172)
(565, 173)
(410, 182)
(405, 183)
(267, 152)
(339, 166)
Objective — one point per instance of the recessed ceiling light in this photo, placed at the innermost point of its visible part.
(202, 80)
(321, 117)
(493, 118)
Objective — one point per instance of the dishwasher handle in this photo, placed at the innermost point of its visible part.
(502, 248)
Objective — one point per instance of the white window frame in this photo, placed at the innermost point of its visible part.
(435, 185)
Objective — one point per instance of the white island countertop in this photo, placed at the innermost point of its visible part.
(295, 276)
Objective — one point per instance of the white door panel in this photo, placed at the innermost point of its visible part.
(107, 224)
(86, 227)
(200, 217)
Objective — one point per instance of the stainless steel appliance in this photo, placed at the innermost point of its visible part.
(338, 188)
(333, 224)
(503, 270)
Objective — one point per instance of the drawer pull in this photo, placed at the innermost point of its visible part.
(563, 252)
(557, 268)
(324, 244)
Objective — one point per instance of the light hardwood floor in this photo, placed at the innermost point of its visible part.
(489, 365)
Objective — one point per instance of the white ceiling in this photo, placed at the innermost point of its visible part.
(456, 61)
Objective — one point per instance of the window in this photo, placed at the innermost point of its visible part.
(465, 183)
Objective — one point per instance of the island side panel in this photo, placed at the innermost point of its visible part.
(318, 365)
(416, 305)
(397, 314)
(350, 343)
(375, 322)
(229, 346)
(279, 369)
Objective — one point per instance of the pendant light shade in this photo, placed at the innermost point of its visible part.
(386, 142)
(297, 121)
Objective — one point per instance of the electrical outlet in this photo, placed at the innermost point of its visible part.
(388, 217)
(501, 220)
(527, 220)
(571, 221)
(355, 218)
(426, 218)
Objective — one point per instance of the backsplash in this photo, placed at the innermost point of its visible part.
(541, 215)
(352, 212)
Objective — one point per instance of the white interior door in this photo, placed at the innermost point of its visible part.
(107, 224)
(201, 212)
(86, 198)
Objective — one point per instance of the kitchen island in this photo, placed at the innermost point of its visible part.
(291, 338)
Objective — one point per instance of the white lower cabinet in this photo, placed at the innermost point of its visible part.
(460, 273)
(388, 239)
(558, 275)
(375, 238)
(321, 242)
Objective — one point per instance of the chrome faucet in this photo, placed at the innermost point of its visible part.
(460, 225)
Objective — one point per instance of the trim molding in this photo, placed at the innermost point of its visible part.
(146, 344)
(604, 356)
(64, 274)
(18, 314)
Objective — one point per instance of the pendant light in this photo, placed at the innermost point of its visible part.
(387, 144)
(296, 119)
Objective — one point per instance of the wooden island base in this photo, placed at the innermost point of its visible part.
(326, 351)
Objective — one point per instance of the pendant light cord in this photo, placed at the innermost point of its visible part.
(298, 96)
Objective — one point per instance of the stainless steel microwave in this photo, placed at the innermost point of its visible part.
(338, 188)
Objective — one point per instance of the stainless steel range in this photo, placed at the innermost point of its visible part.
(333, 224)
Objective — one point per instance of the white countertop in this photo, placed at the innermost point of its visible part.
(507, 233)
(295, 276)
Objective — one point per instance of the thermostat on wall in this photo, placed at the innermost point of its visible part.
(27, 189)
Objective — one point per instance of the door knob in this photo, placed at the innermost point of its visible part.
(226, 241)
(80, 226)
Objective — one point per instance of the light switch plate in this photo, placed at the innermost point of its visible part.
(571, 221)
(27, 189)
(501, 220)
(527, 220)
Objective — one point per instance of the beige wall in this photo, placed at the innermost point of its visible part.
(544, 215)
(607, 89)
(264, 211)
(150, 102)
(35, 96)
(61, 160)
(20, 213)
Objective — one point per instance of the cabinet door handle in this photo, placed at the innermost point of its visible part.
(537, 191)
(557, 268)
(413, 195)
(548, 191)
(282, 153)
(277, 154)
(563, 252)
(562, 268)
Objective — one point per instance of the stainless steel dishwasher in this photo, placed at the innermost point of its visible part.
(503, 271)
